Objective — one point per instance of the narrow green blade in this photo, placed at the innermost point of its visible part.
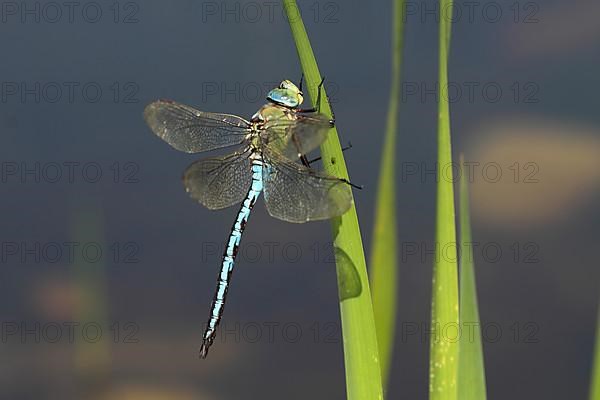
(443, 361)
(595, 385)
(363, 377)
(384, 258)
(92, 358)
(471, 370)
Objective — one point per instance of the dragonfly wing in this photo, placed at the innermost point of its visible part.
(298, 194)
(300, 134)
(193, 131)
(219, 182)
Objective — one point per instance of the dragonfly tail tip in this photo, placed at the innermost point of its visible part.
(204, 349)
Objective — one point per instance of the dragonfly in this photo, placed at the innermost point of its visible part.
(271, 159)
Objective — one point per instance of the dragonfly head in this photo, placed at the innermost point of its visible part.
(287, 95)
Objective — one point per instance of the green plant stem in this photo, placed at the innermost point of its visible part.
(471, 369)
(444, 349)
(384, 258)
(595, 381)
(92, 360)
(363, 378)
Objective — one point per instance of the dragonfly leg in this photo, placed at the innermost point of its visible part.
(319, 89)
(318, 158)
(359, 187)
(303, 157)
(307, 164)
(317, 107)
(301, 81)
(305, 161)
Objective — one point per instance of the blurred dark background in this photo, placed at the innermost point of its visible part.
(108, 267)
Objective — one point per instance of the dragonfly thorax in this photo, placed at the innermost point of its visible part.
(260, 120)
(270, 112)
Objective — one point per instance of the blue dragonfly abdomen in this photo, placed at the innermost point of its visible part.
(229, 255)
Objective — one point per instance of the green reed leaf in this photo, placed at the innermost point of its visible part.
(363, 377)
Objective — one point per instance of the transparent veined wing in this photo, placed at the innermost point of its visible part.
(296, 133)
(193, 131)
(295, 193)
(219, 182)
